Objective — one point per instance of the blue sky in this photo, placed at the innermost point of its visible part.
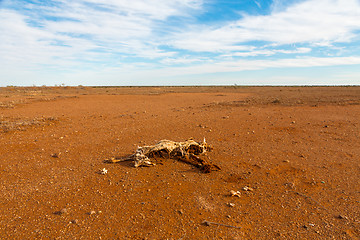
(180, 42)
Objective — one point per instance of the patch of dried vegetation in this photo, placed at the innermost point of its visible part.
(8, 124)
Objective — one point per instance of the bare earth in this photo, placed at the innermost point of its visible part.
(296, 148)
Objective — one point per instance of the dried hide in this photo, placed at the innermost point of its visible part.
(188, 151)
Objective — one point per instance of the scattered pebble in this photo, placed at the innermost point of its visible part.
(92, 212)
(246, 188)
(206, 223)
(75, 221)
(231, 204)
(290, 184)
(103, 171)
(55, 155)
(235, 193)
(62, 212)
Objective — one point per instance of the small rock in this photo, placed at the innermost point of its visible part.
(55, 155)
(235, 193)
(180, 211)
(92, 212)
(206, 223)
(228, 216)
(103, 171)
(246, 188)
(75, 221)
(62, 212)
(290, 184)
(341, 217)
(231, 204)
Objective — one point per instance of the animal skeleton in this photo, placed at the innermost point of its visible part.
(187, 151)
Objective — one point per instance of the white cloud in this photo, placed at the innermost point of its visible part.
(81, 31)
(267, 52)
(311, 21)
(94, 39)
(155, 9)
(143, 74)
(23, 46)
(298, 50)
(257, 3)
(243, 65)
(228, 67)
(183, 60)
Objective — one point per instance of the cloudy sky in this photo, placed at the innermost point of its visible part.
(179, 42)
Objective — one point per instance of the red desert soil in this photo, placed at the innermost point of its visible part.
(297, 149)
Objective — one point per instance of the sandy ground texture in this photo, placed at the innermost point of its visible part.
(289, 159)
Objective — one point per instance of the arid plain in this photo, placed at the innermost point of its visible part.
(291, 154)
